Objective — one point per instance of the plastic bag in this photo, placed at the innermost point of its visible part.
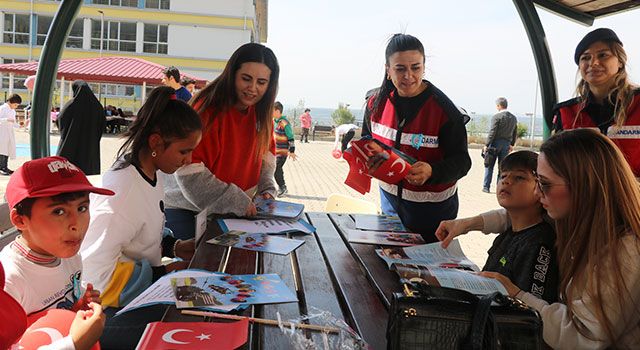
(345, 339)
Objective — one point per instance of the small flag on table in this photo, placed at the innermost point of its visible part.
(194, 335)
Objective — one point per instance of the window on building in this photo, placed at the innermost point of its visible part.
(117, 36)
(75, 35)
(123, 3)
(155, 38)
(112, 90)
(157, 4)
(18, 80)
(16, 29)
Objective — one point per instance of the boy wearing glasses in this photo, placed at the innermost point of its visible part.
(525, 251)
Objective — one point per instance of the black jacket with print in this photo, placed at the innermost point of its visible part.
(528, 259)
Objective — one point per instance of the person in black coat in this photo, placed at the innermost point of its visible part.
(82, 122)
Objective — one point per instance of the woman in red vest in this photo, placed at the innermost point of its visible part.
(235, 160)
(606, 98)
(412, 115)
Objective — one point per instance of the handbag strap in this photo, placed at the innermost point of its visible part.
(483, 326)
(427, 291)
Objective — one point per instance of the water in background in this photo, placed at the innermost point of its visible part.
(479, 124)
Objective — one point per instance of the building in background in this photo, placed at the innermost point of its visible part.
(197, 36)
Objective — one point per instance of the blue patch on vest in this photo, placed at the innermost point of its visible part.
(416, 140)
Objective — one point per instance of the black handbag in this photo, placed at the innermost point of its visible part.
(490, 156)
(443, 318)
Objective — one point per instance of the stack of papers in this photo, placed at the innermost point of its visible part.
(384, 238)
(432, 265)
(271, 208)
(270, 226)
(161, 292)
(260, 242)
(221, 290)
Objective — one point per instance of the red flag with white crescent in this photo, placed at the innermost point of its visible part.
(48, 327)
(358, 177)
(194, 335)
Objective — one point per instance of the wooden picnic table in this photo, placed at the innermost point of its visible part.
(326, 272)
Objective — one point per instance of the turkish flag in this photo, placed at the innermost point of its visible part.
(47, 327)
(358, 177)
(194, 335)
(392, 170)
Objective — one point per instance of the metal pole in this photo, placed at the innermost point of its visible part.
(30, 33)
(533, 120)
(47, 71)
(101, 29)
(542, 56)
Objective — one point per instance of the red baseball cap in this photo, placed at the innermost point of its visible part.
(46, 177)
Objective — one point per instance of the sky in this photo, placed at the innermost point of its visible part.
(333, 51)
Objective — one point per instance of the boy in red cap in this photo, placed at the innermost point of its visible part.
(49, 201)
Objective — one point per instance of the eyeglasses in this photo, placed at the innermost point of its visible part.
(544, 187)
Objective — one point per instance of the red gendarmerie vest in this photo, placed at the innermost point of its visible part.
(228, 147)
(419, 139)
(626, 137)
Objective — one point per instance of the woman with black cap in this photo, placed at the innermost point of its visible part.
(606, 98)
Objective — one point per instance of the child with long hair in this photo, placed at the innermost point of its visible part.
(124, 245)
(589, 189)
(236, 159)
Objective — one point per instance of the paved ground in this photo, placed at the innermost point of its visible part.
(316, 175)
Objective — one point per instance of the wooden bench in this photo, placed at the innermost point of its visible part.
(326, 129)
(326, 272)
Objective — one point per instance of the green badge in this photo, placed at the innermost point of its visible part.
(503, 261)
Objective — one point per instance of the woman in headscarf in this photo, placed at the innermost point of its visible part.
(82, 122)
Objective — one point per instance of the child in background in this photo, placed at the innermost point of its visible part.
(525, 251)
(7, 135)
(285, 145)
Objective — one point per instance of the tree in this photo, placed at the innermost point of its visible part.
(522, 130)
(342, 115)
(293, 113)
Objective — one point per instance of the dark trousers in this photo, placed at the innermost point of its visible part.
(182, 222)
(423, 218)
(305, 135)
(279, 174)
(4, 162)
(502, 149)
(346, 138)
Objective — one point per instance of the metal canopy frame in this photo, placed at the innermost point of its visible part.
(61, 25)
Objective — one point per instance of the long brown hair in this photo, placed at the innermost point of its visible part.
(605, 206)
(622, 91)
(220, 94)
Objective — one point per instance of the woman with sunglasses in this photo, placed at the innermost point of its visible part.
(590, 191)
(606, 98)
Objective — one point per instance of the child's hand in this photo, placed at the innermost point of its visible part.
(177, 265)
(185, 249)
(511, 288)
(251, 210)
(450, 229)
(87, 327)
(90, 296)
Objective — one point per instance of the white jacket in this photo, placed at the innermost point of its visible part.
(7, 135)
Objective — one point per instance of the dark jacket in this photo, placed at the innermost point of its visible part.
(504, 125)
(82, 122)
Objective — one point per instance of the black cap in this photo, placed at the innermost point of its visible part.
(600, 34)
